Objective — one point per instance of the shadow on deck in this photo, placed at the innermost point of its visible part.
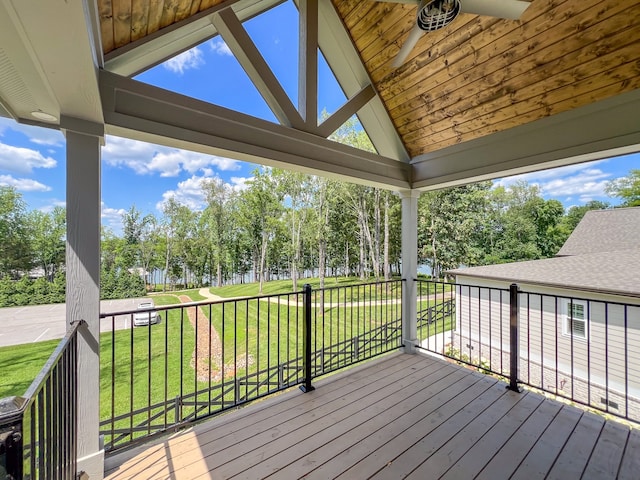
(402, 416)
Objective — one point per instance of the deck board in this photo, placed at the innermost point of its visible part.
(540, 459)
(402, 416)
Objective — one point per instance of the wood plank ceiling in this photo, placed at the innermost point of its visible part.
(477, 76)
(125, 21)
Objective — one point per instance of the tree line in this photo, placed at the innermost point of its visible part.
(286, 224)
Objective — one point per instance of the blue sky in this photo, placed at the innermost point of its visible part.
(33, 159)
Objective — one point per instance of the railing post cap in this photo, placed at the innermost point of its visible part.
(11, 404)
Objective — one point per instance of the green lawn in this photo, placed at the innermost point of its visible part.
(20, 364)
(286, 286)
(155, 364)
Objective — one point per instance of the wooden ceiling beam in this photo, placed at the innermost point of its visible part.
(253, 63)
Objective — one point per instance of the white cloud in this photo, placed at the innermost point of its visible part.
(186, 60)
(146, 158)
(581, 180)
(240, 183)
(590, 182)
(188, 192)
(54, 203)
(219, 47)
(37, 135)
(23, 160)
(23, 184)
(112, 217)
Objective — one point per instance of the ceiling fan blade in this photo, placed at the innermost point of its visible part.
(495, 8)
(408, 45)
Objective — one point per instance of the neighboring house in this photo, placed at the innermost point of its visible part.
(579, 314)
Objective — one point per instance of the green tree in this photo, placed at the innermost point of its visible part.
(16, 254)
(626, 188)
(520, 225)
(48, 231)
(575, 213)
(260, 212)
(448, 222)
(218, 218)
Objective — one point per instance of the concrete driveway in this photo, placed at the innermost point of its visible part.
(20, 325)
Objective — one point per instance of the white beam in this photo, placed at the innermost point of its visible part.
(247, 54)
(603, 129)
(143, 112)
(308, 63)
(83, 284)
(353, 105)
(409, 268)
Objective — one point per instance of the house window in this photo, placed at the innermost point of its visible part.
(576, 319)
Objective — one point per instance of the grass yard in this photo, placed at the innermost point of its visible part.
(20, 364)
(353, 288)
(155, 365)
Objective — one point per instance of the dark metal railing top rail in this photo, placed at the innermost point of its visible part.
(578, 348)
(193, 360)
(38, 431)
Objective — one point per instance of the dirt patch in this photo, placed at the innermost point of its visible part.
(206, 358)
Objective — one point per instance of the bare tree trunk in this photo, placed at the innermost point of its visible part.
(435, 267)
(347, 270)
(376, 233)
(363, 259)
(166, 268)
(263, 256)
(386, 266)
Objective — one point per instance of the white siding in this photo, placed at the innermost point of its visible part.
(602, 366)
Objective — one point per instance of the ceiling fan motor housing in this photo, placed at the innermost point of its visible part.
(435, 14)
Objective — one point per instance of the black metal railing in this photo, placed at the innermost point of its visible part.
(581, 349)
(38, 431)
(206, 357)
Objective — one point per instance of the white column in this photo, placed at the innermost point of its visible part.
(83, 281)
(409, 268)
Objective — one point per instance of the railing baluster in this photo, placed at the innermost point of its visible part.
(513, 337)
(307, 387)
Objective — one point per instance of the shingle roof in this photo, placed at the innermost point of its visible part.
(601, 255)
(606, 272)
(605, 231)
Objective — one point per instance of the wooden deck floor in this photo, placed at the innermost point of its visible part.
(405, 416)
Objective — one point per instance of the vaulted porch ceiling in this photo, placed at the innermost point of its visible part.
(479, 98)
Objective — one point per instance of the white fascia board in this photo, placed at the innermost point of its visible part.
(603, 129)
(136, 110)
(346, 64)
(168, 42)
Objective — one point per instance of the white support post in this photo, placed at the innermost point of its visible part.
(409, 268)
(83, 282)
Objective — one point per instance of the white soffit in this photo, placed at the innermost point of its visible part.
(48, 60)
